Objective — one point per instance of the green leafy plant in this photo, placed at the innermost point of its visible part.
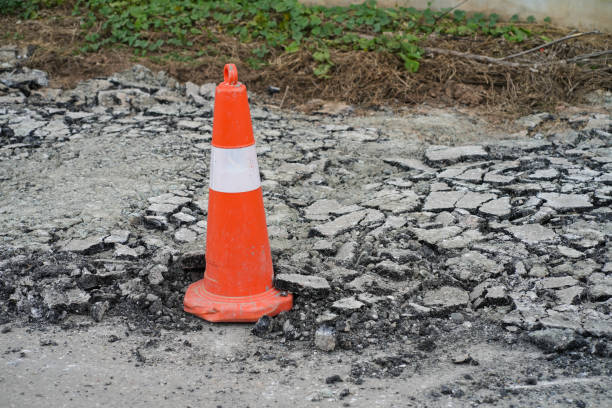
(272, 26)
(26, 8)
(324, 63)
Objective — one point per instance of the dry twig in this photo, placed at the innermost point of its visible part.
(284, 96)
(587, 56)
(548, 44)
(475, 57)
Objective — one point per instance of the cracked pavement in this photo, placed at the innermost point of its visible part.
(401, 249)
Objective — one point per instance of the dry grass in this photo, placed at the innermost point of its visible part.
(359, 78)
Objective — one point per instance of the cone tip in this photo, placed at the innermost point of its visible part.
(230, 74)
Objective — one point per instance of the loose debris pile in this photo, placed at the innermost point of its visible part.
(378, 241)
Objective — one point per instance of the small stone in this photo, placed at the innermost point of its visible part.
(464, 240)
(325, 338)
(433, 236)
(495, 178)
(442, 200)
(185, 235)
(193, 259)
(326, 317)
(532, 121)
(479, 291)
(569, 252)
(169, 198)
(519, 268)
(333, 379)
(85, 246)
(462, 359)
(599, 328)
(558, 282)
(182, 218)
(347, 304)
(391, 269)
(471, 200)
(200, 229)
(473, 266)
(263, 326)
(496, 295)
(125, 252)
(419, 309)
(407, 164)
(156, 222)
(191, 89)
(99, 309)
(538, 271)
(321, 209)
(546, 174)
(296, 283)
(446, 390)
(208, 90)
(543, 215)
(566, 202)
(555, 340)
(75, 299)
(580, 269)
(600, 292)
(457, 317)
(438, 154)
(340, 224)
(88, 280)
(446, 297)
(570, 296)
(162, 209)
(346, 253)
(532, 233)
(33, 78)
(324, 246)
(499, 208)
(117, 237)
(153, 242)
(155, 275)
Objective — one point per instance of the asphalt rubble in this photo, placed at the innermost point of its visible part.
(509, 237)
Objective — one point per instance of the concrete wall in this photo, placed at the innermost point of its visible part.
(581, 14)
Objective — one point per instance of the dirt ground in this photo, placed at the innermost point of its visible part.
(499, 296)
(224, 365)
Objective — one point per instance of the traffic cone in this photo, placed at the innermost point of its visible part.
(237, 284)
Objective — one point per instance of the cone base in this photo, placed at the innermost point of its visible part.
(215, 308)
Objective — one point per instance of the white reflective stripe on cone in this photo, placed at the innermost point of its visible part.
(234, 170)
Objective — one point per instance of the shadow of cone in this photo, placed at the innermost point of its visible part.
(237, 285)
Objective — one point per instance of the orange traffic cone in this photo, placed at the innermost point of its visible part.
(237, 284)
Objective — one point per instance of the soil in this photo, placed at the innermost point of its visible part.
(224, 365)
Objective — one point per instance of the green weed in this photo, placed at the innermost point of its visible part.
(274, 27)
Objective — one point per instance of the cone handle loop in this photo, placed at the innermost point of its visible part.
(230, 74)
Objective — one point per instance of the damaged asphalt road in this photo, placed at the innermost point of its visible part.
(425, 274)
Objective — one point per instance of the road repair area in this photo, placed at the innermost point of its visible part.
(435, 257)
